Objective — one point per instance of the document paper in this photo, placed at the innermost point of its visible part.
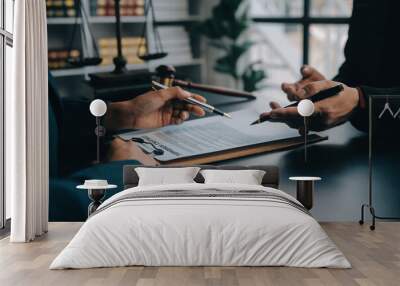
(210, 135)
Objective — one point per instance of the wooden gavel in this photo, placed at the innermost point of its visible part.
(166, 75)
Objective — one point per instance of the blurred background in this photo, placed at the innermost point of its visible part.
(270, 41)
(251, 45)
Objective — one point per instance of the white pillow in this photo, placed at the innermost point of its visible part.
(246, 177)
(166, 176)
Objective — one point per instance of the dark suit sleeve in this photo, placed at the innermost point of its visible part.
(78, 140)
(74, 127)
(372, 57)
(362, 43)
(69, 204)
(345, 74)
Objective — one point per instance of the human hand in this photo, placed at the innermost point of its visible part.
(157, 108)
(328, 112)
(153, 109)
(295, 90)
(119, 150)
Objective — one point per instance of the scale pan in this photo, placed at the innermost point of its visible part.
(150, 57)
(84, 62)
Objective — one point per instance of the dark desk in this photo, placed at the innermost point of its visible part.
(342, 163)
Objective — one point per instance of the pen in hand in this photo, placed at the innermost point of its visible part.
(210, 108)
(323, 94)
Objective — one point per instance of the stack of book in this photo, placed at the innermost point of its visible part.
(60, 8)
(130, 46)
(171, 9)
(58, 58)
(176, 43)
(128, 7)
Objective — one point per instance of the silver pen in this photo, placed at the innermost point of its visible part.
(191, 100)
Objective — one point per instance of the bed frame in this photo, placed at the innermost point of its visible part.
(271, 177)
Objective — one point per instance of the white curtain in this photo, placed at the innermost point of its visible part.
(27, 124)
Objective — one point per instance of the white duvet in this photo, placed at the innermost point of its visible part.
(200, 231)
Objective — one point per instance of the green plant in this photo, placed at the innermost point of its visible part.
(252, 77)
(229, 22)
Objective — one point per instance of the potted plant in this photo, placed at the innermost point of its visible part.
(226, 29)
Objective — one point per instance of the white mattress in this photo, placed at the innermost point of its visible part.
(193, 231)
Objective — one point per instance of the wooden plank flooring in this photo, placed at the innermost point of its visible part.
(375, 257)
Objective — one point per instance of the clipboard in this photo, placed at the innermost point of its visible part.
(246, 151)
(214, 139)
(280, 145)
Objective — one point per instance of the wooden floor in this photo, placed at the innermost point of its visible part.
(375, 257)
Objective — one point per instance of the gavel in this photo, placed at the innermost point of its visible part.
(166, 75)
(119, 87)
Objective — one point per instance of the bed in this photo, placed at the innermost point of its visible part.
(197, 224)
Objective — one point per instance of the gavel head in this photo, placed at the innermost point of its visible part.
(166, 74)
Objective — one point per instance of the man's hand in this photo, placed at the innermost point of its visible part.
(295, 90)
(328, 112)
(152, 110)
(128, 150)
